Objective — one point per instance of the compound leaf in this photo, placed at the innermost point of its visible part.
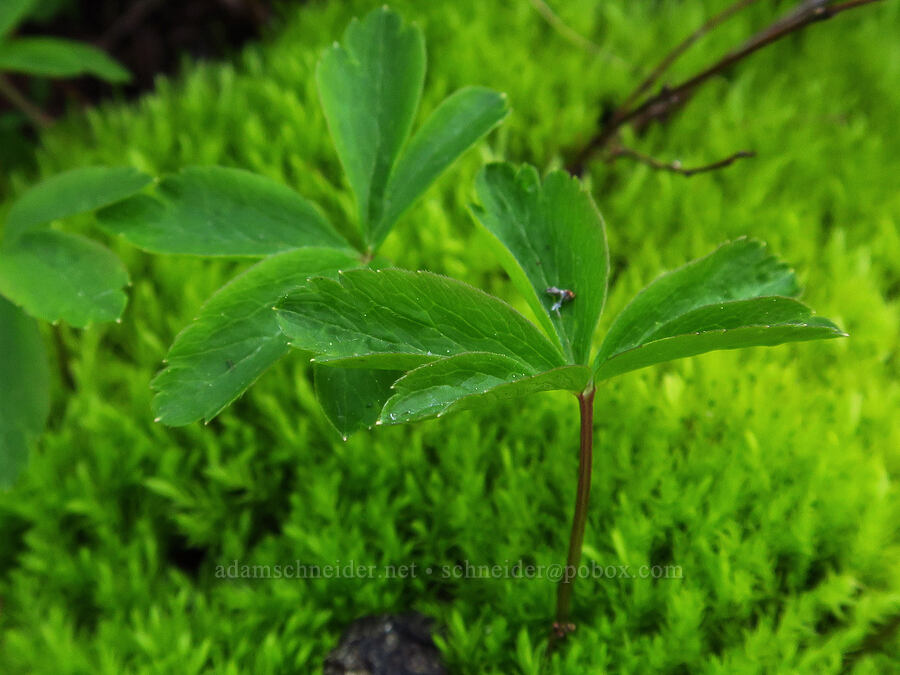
(469, 380)
(396, 320)
(57, 276)
(352, 398)
(53, 57)
(235, 337)
(370, 87)
(25, 392)
(215, 211)
(70, 193)
(456, 124)
(553, 237)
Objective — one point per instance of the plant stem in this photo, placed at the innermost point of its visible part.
(582, 495)
(34, 114)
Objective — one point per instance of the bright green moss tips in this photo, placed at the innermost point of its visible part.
(766, 475)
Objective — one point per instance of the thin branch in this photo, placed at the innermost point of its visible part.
(676, 167)
(670, 98)
(568, 33)
(127, 22)
(35, 115)
(670, 58)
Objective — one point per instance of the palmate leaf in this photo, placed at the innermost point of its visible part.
(455, 125)
(69, 194)
(734, 297)
(235, 337)
(552, 236)
(215, 211)
(57, 276)
(370, 86)
(53, 57)
(397, 320)
(24, 393)
(472, 379)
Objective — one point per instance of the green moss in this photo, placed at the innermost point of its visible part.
(768, 476)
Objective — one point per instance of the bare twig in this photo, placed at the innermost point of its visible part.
(676, 167)
(127, 22)
(35, 115)
(568, 33)
(670, 98)
(670, 58)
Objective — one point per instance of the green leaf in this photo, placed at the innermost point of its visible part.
(25, 392)
(214, 211)
(370, 87)
(681, 346)
(53, 57)
(458, 122)
(397, 320)
(553, 236)
(738, 270)
(235, 337)
(472, 379)
(12, 13)
(352, 398)
(57, 276)
(70, 193)
(733, 298)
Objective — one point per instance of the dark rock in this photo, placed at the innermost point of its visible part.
(386, 645)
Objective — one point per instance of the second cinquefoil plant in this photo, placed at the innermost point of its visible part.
(459, 346)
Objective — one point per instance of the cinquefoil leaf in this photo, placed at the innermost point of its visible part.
(553, 237)
(57, 276)
(470, 380)
(25, 392)
(456, 124)
(70, 193)
(352, 398)
(734, 297)
(235, 337)
(370, 86)
(396, 320)
(215, 211)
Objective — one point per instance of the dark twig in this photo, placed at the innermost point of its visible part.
(676, 167)
(35, 115)
(128, 22)
(670, 98)
(680, 49)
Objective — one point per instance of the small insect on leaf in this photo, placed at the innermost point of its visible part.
(563, 295)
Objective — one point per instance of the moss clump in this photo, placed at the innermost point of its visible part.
(768, 476)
